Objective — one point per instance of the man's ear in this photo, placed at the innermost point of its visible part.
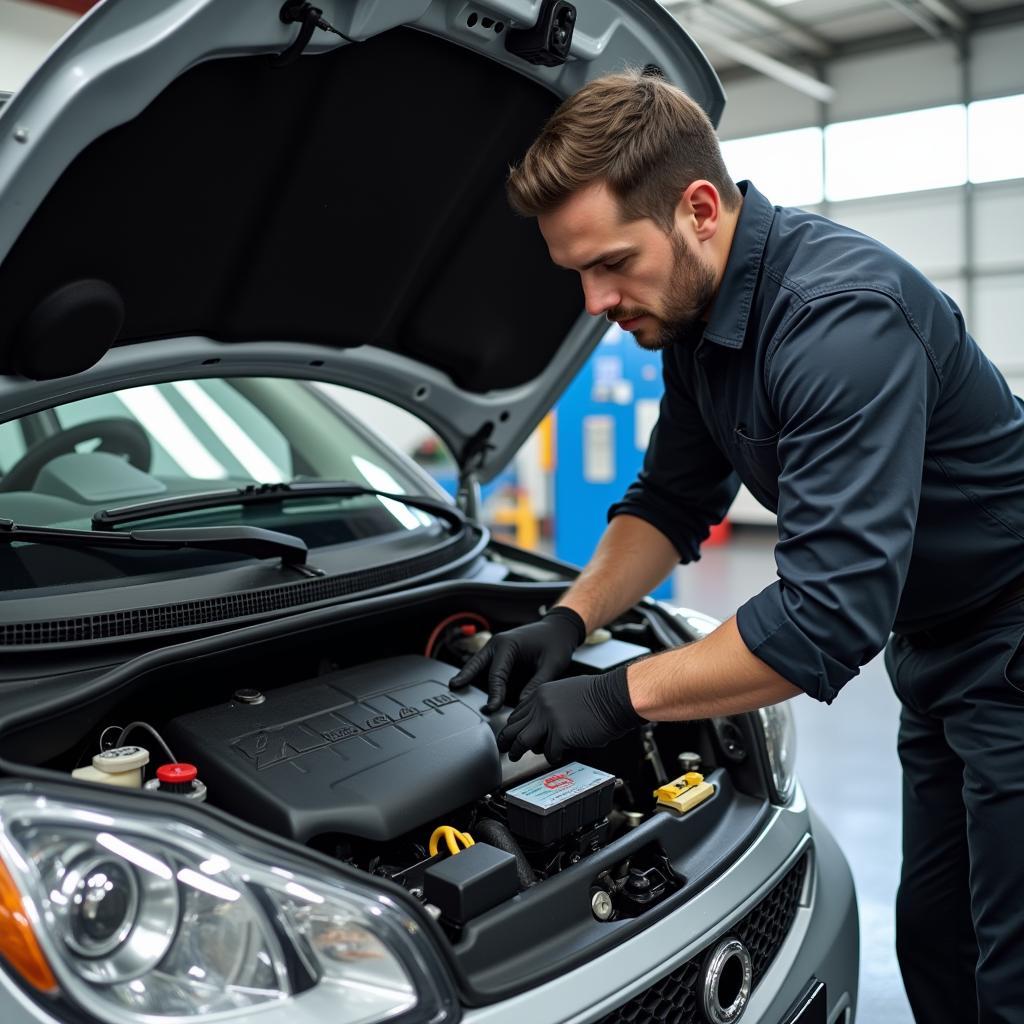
(701, 205)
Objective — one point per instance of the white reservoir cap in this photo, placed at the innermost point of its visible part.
(120, 759)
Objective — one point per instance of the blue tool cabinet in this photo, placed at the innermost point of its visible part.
(603, 422)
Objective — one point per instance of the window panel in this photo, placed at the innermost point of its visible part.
(785, 166)
(996, 139)
(908, 152)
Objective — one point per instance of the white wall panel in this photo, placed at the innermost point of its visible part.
(999, 225)
(996, 65)
(756, 106)
(925, 227)
(909, 78)
(27, 32)
(998, 323)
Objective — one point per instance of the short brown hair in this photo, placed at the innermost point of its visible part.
(643, 137)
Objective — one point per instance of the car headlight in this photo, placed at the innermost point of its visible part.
(780, 739)
(140, 918)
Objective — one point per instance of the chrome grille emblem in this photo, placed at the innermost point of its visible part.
(726, 982)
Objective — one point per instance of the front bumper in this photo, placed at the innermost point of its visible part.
(822, 942)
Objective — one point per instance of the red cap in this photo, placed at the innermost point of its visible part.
(468, 630)
(176, 772)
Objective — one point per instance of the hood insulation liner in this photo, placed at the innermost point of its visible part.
(353, 197)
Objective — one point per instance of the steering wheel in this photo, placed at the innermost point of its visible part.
(119, 435)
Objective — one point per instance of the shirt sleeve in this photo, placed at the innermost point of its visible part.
(686, 485)
(853, 388)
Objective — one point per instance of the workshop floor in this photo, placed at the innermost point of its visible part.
(847, 762)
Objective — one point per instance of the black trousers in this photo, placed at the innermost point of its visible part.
(960, 906)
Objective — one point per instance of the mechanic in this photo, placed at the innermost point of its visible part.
(829, 376)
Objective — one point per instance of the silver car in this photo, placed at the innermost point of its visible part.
(234, 784)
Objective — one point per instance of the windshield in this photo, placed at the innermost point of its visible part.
(60, 466)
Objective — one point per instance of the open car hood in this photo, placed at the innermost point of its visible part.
(175, 204)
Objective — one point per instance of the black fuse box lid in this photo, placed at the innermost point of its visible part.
(471, 882)
(555, 805)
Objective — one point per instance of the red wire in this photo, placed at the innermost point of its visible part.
(447, 622)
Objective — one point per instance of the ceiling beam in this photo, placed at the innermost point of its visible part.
(761, 62)
(948, 12)
(887, 41)
(753, 58)
(812, 40)
(920, 18)
(815, 48)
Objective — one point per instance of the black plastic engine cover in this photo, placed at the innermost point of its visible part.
(373, 752)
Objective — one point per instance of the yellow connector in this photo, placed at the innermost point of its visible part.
(684, 793)
(452, 837)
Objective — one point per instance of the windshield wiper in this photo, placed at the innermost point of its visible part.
(246, 540)
(270, 494)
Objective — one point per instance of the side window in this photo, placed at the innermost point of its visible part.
(402, 430)
(12, 445)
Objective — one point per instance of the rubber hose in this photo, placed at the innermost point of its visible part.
(494, 832)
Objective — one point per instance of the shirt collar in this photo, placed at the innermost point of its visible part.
(728, 324)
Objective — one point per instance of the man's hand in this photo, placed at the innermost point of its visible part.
(545, 647)
(568, 714)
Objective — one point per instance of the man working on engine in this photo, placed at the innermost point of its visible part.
(825, 373)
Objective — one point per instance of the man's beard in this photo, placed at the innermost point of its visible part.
(690, 290)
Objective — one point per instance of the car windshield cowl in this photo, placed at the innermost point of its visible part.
(269, 494)
(246, 540)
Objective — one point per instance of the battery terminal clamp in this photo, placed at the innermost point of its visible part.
(684, 793)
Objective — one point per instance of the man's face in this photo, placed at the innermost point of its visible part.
(651, 283)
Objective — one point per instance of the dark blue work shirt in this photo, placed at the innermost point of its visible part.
(843, 389)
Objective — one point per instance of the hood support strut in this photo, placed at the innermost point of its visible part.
(471, 461)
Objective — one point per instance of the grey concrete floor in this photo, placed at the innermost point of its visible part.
(846, 760)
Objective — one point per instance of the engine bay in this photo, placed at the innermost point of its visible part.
(376, 763)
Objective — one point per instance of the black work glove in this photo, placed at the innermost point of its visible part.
(569, 714)
(545, 647)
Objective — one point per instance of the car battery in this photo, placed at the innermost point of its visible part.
(551, 807)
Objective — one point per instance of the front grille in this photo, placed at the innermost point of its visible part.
(675, 999)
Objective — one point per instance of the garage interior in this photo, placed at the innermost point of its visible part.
(903, 119)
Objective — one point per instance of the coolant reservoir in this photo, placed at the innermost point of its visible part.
(119, 766)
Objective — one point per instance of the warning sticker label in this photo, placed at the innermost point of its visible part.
(558, 787)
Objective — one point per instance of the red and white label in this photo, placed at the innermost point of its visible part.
(559, 781)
